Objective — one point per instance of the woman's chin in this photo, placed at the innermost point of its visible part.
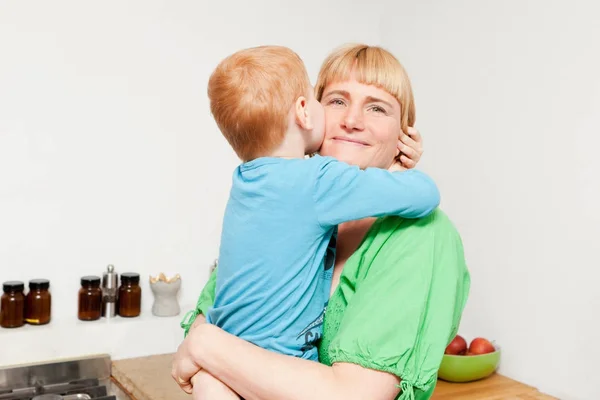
(347, 155)
(351, 159)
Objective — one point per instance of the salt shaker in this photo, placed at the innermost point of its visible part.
(110, 285)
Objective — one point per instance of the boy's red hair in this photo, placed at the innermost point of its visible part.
(251, 93)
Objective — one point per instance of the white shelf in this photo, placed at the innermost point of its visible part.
(119, 337)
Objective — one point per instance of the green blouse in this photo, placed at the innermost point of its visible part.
(398, 303)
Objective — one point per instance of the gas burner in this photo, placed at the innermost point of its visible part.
(82, 378)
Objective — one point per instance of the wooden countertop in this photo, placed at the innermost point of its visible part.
(496, 387)
(149, 378)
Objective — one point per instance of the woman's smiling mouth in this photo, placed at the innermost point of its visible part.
(350, 140)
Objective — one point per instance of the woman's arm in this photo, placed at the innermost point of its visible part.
(344, 380)
(184, 368)
(191, 321)
(258, 374)
(207, 387)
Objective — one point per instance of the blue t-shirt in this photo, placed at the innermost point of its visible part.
(278, 242)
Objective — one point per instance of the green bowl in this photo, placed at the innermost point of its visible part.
(468, 368)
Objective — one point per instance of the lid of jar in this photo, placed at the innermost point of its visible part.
(11, 286)
(90, 280)
(37, 284)
(130, 277)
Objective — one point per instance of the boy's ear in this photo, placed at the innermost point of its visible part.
(303, 118)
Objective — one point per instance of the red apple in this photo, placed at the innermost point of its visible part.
(458, 345)
(481, 346)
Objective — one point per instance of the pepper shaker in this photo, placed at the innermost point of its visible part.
(110, 286)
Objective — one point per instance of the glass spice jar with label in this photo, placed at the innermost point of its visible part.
(90, 299)
(130, 295)
(12, 305)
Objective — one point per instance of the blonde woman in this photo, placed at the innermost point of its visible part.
(399, 286)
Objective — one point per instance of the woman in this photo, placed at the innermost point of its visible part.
(399, 286)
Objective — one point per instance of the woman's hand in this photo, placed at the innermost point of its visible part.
(184, 363)
(410, 145)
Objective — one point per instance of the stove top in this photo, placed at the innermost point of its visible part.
(81, 378)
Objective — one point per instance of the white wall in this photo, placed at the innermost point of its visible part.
(108, 153)
(508, 99)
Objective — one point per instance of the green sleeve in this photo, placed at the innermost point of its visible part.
(411, 289)
(206, 300)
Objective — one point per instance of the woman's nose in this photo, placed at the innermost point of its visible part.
(353, 120)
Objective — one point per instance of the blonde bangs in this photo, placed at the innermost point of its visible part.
(370, 65)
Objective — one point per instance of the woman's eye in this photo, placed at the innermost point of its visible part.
(378, 109)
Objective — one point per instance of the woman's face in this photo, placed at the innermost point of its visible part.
(362, 124)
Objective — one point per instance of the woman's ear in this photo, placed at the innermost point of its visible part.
(303, 117)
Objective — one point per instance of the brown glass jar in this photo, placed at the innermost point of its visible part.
(130, 295)
(90, 299)
(12, 305)
(38, 302)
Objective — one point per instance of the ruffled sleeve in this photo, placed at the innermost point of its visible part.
(405, 306)
(205, 301)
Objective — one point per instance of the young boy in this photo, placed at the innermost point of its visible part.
(275, 265)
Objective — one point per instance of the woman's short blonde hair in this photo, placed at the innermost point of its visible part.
(372, 65)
